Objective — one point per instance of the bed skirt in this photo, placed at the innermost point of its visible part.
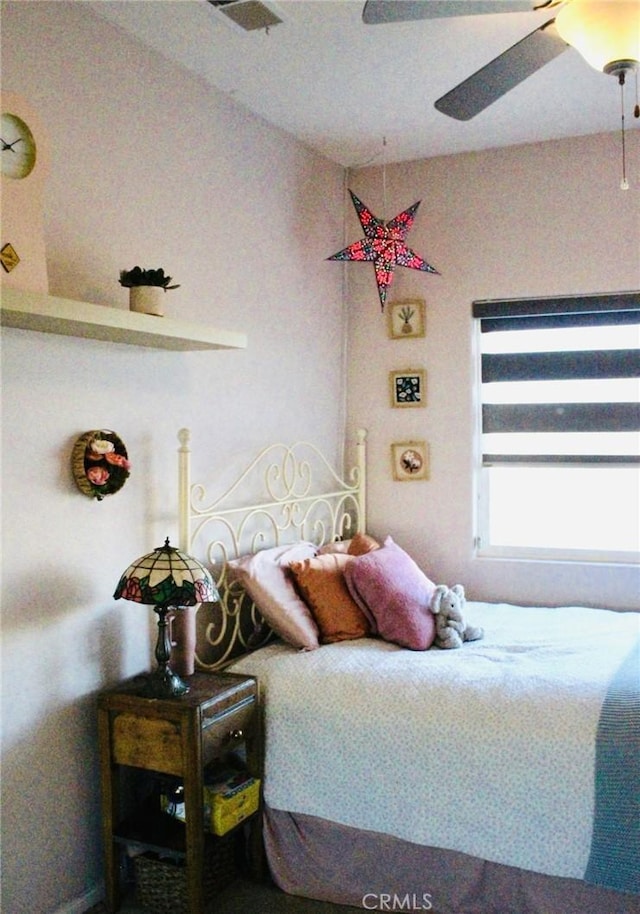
(318, 859)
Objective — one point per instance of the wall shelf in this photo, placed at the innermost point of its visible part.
(50, 314)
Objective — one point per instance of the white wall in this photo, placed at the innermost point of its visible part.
(546, 219)
(148, 167)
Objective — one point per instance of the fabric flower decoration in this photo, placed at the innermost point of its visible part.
(100, 464)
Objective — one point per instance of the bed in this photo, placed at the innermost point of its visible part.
(499, 778)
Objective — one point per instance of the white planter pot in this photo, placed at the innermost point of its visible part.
(147, 300)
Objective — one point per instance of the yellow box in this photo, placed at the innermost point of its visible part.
(229, 800)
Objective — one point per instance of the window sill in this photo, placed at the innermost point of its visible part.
(559, 556)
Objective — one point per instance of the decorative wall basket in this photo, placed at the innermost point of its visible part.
(99, 463)
(147, 300)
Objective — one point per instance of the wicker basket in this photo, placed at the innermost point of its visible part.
(161, 885)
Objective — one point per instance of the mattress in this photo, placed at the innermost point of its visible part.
(488, 751)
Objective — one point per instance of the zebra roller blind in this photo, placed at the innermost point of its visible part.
(560, 379)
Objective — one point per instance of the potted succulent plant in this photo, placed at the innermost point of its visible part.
(145, 287)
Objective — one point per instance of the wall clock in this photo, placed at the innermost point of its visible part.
(23, 168)
(18, 147)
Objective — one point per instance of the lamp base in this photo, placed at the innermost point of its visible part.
(164, 683)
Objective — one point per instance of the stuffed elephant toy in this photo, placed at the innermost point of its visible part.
(448, 605)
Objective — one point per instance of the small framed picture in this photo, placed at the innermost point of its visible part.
(406, 318)
(410, 460)
(408, 388)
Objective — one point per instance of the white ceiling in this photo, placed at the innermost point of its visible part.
(359, 93)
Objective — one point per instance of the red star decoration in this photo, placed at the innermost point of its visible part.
(384, 246)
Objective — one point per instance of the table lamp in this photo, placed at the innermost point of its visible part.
(168, 580)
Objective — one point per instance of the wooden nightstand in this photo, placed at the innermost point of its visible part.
(179, 737)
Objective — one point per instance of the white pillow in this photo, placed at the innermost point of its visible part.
(267, 579)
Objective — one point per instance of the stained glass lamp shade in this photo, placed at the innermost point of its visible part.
(168, 580)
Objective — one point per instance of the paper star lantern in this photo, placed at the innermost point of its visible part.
(384, 246)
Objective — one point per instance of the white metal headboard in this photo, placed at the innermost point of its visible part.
(286, 494)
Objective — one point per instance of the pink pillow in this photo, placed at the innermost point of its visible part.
(321, 583)
(267, 579)
(395, 595)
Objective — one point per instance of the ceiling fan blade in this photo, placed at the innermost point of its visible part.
(503, 73)
(377, 12)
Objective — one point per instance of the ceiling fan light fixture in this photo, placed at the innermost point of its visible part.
(605, 32)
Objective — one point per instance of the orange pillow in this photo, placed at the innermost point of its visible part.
(321, 582)
(362, 543)
(359, 545)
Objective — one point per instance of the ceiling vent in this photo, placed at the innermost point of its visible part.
(248, 14)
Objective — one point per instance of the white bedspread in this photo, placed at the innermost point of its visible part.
(488, 750)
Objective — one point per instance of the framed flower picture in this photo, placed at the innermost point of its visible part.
(410, 460)
(406, 319)
(408, 387)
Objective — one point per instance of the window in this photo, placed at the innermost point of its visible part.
(559, 474)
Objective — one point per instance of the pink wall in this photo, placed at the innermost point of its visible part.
(545, 219)
(148, 166)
